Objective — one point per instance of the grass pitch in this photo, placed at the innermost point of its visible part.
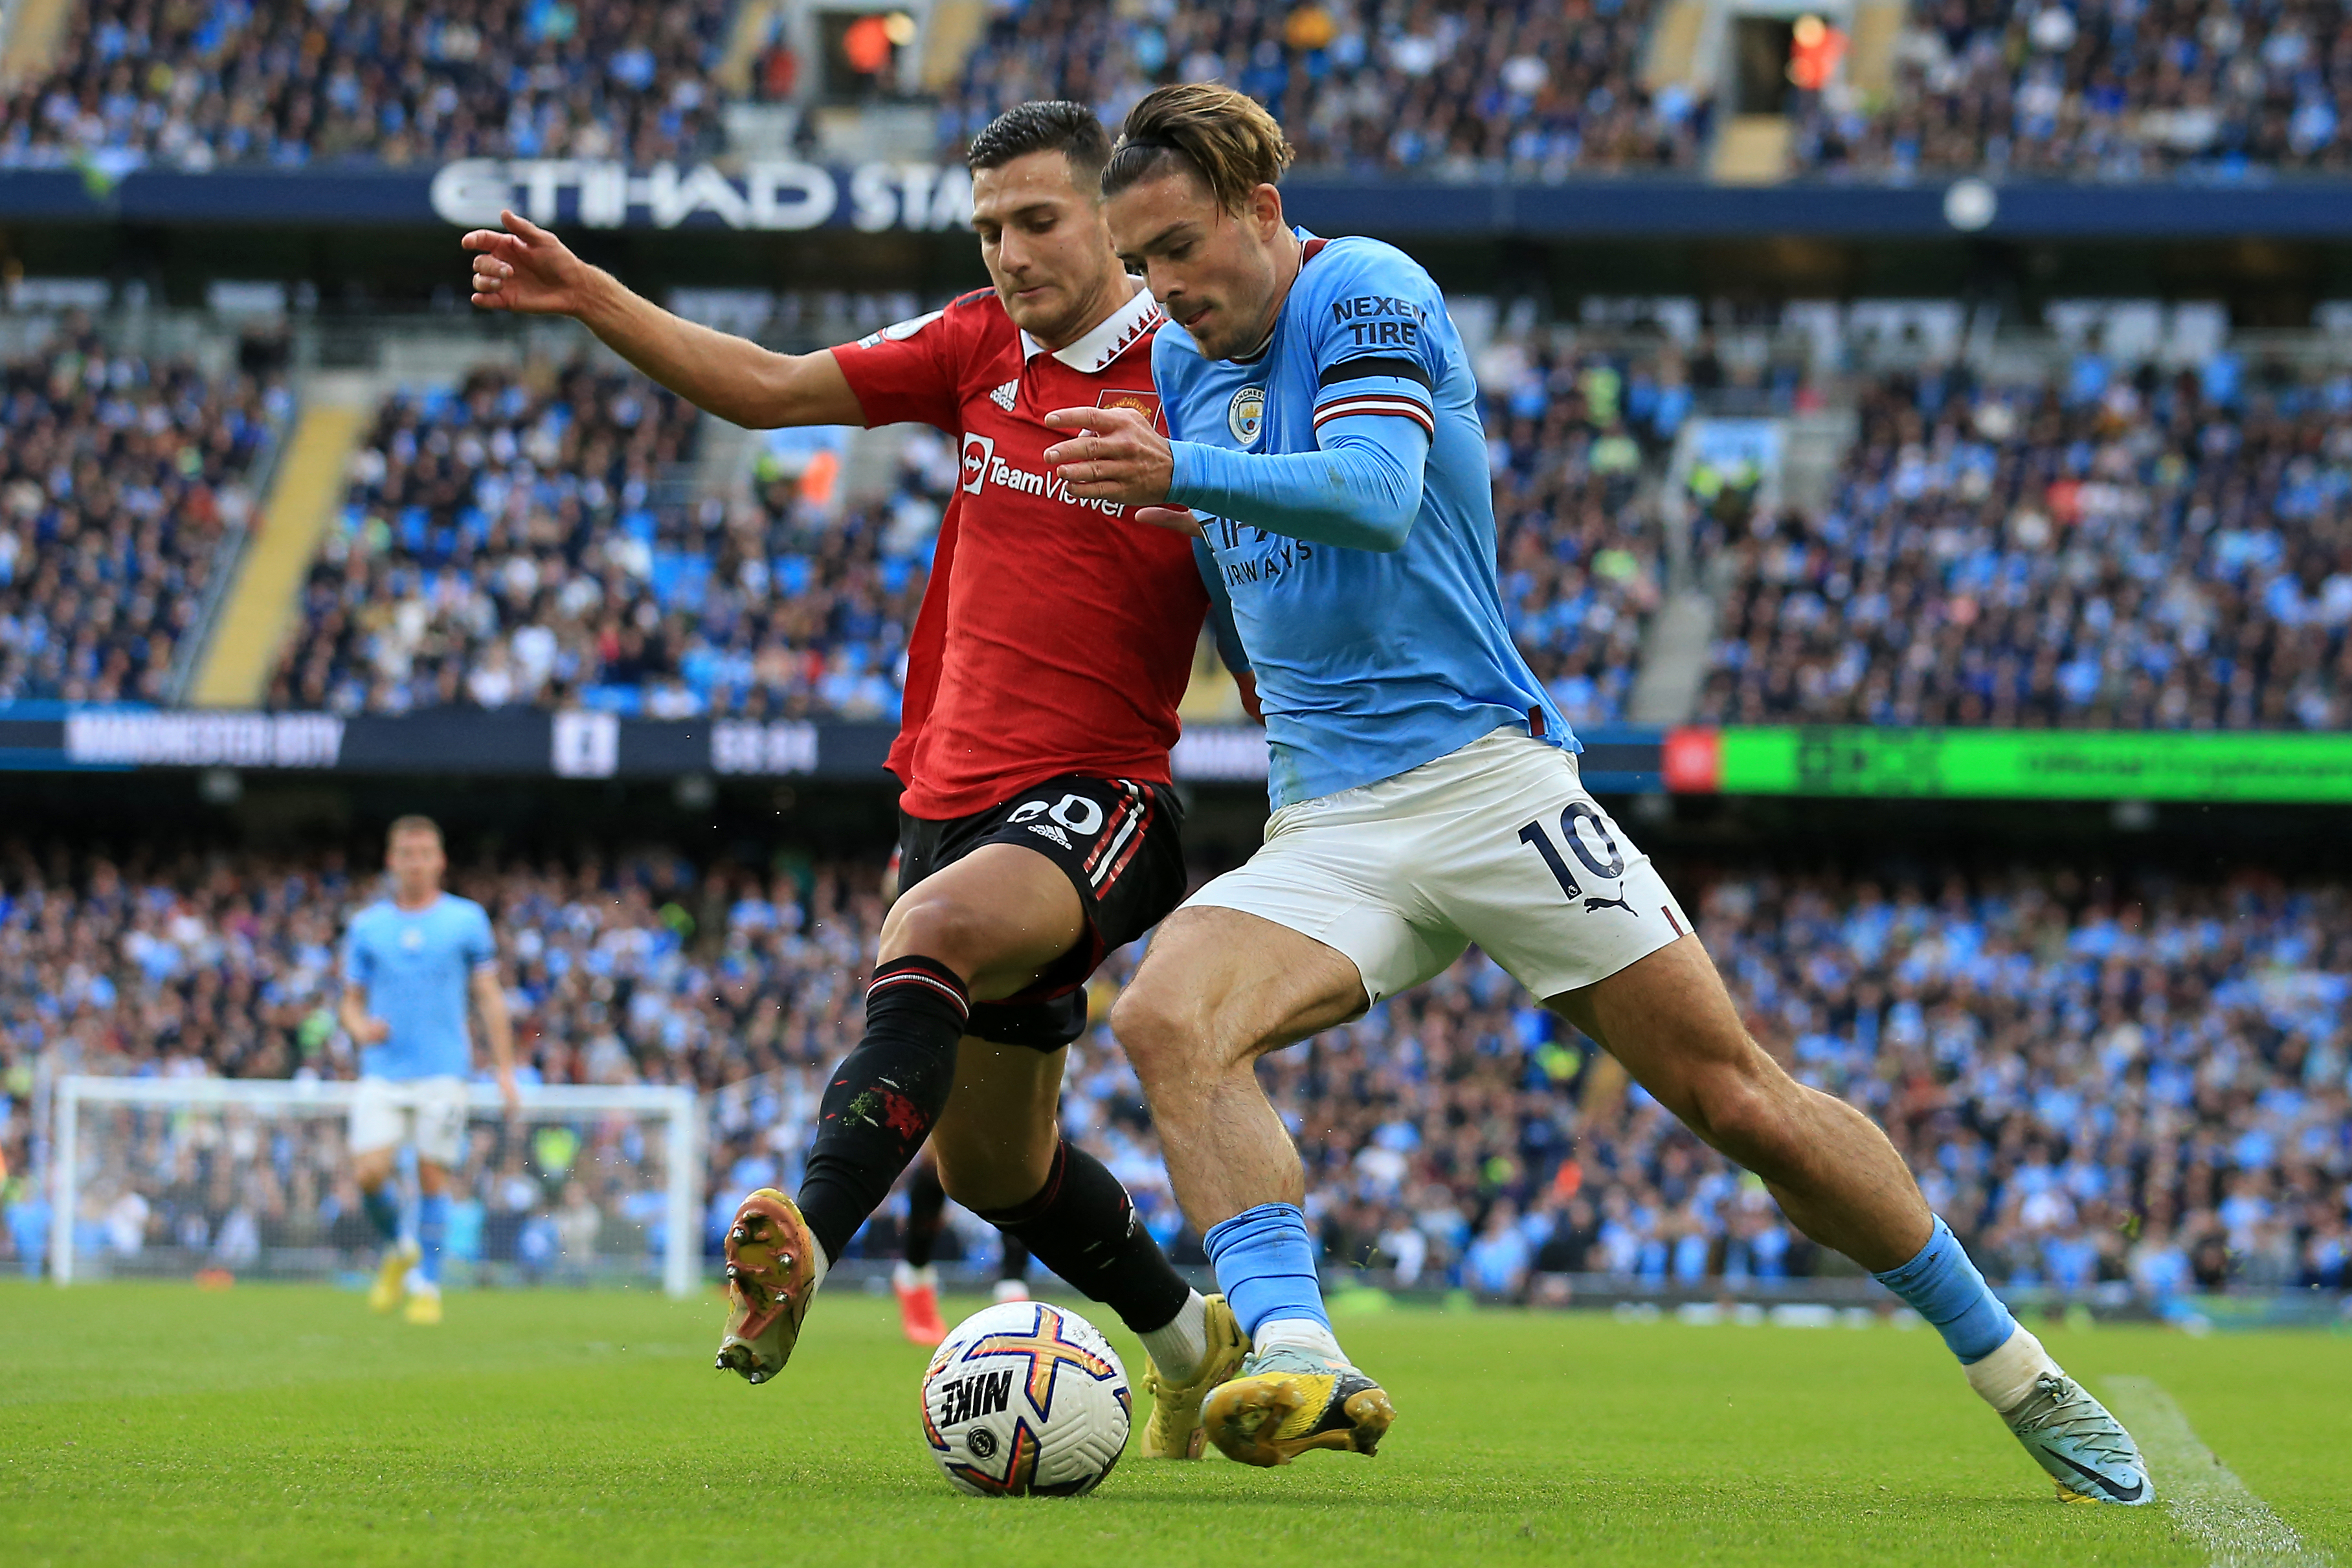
(156, 1423)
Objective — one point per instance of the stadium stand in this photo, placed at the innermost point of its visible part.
(1500, 86)
(2054, 1052)
(2110, 90)
(1503, 87)
(119, 480)
(277, 83)
(467, 567)
(2151, 551)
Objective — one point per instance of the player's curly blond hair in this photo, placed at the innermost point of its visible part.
(1226, 138)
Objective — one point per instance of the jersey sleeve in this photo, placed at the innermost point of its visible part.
(481, 943)
(1373, 351)
(910, 372)
(358, 969)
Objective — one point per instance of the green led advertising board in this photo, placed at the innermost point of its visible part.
(2035, 764)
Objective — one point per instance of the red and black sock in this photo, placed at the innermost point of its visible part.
(1083, 1228)
(884, 1096)
(926, 1202)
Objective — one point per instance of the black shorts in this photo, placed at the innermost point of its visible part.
(1122, 845)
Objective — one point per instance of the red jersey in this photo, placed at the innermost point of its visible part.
(1056, 634)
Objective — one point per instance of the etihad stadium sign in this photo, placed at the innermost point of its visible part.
(774, 195)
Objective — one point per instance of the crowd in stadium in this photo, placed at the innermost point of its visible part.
(1499, 87)
(192, 87)
(508, 541)
(119, 479)
(2096, 1082)
(2142, 550)
(2109, 89)
(1494, 86)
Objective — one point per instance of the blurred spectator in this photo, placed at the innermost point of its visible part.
(2158, 551)
(1504, 87)
(271, 81)
(119, 479)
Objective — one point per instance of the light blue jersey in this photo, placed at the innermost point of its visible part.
(1370, 662)
(415, 967)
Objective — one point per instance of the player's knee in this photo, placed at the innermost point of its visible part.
(942, 927)
(1158, 1034)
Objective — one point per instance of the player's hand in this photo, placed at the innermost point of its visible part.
(508, 1095)
(1119, 457)
(1174, 519)
(526, 268)
(372, 1032)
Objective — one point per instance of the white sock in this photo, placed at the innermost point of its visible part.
(1298, 1334)
(817, 1256)
(1179, 1345)
(906, 1277)
(2004, 1378)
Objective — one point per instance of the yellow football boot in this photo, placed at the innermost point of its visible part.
(1173, 1432)
(423, 1308)
(1287, 1401)
(392, 1276)
(771, 1274)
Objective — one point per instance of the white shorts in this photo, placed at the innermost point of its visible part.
(429, 1112)
(1498, 843)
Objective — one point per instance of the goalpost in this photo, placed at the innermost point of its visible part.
(177, 1175)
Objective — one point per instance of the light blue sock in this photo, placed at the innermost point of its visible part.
(432, 1229)
(382, 1206)
(1945, 1287)
(1265, 1259)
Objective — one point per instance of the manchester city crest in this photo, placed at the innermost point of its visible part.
(1246, 413)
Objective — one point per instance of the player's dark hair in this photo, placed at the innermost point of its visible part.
(1225, 139)
(412, 823)
(1055, 126)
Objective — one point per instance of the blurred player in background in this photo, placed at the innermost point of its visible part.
(1038, 830)
(1329, 449)
(916, 1281)
(411, 963)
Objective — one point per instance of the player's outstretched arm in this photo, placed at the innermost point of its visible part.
(1359, 488)
(523, 268)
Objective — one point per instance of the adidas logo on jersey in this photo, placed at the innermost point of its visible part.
(1004, 396)
(1048, 830)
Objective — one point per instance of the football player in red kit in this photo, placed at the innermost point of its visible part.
(1037, 827)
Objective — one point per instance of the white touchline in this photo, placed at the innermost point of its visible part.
(2236, 1528)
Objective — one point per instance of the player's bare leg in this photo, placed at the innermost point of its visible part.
(1668, 1019)
(980, 929)
(1219, 989)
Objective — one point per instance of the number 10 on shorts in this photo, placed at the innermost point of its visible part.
(1572, 819)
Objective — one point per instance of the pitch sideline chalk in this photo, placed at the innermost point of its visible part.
(2236, 1528)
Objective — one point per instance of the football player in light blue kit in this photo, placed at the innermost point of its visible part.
(1325, 444)
(410, 962)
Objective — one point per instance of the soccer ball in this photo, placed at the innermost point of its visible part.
(1025, 1398)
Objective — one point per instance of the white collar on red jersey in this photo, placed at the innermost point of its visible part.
(1112, 336)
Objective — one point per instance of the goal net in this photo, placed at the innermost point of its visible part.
(179, 1177)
